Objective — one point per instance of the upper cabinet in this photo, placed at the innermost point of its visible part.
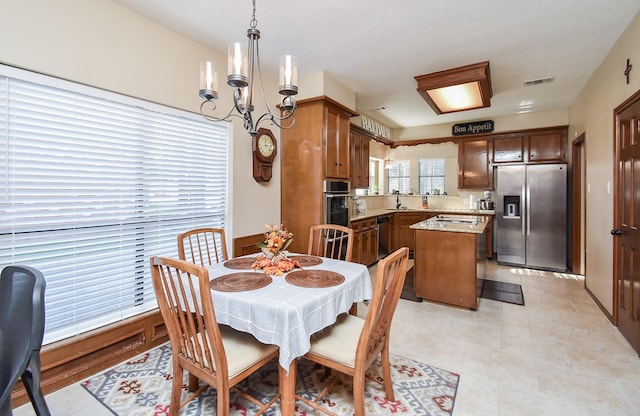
(477, 156)
(509, 149)
(473, 164)
(336, 142)
(548, 147)
(359, 140)
(539, 146)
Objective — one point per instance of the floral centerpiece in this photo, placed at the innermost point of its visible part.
(273, 259)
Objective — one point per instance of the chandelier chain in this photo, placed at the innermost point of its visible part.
(254, 22)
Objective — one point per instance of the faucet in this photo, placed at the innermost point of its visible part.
(398, 204)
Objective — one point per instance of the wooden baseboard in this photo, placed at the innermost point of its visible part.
(74, 359)
(602, 308)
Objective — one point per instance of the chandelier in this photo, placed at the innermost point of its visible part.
(242, 63)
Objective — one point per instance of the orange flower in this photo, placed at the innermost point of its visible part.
(274, 260)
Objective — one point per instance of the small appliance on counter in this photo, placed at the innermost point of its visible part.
(486, 204)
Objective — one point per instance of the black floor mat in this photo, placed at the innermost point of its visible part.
(502, 292)
(408, 291)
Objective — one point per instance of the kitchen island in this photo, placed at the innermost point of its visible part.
(450, 257)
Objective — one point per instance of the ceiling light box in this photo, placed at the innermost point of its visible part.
(458, 89)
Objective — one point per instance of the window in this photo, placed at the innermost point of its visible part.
(431, 176)
(93, 185)
(398, 178)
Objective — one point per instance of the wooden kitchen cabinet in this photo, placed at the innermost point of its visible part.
(509, 149)
(336, 143)
(365, 244)
(474, 169)
(547, 147)
(449, 267)
(539, 146)
(402, 235)
(489, 235)
(304, 160)
(359, 142)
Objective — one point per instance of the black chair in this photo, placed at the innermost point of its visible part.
(21, 332)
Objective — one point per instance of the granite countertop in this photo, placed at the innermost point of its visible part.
(472, 224)
(372, 213)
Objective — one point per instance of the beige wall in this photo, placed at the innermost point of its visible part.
(502, 123)
(592, 114)
(102, 44)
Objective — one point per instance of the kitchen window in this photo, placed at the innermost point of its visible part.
(431, 176)
(398, 177)
(93, 184)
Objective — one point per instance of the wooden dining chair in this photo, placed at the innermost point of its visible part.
(331, 240)
(203, 246)
(218, 355)
(353, 344)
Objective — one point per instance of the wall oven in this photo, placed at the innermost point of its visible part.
(336, 202)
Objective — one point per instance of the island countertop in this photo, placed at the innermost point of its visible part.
(453, 223)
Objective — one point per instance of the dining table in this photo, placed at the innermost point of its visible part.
(286, 310)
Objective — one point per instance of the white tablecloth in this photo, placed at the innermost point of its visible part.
(287, 315)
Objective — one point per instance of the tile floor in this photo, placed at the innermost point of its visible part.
(558, 355)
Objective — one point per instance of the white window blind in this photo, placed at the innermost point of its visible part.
(398, 176)
(93, 184)
(431, 175)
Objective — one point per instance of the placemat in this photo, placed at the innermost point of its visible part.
(240, 282)
(307, 261)
(241, 263)
(314, 278)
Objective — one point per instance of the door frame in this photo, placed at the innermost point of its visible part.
(578, 206)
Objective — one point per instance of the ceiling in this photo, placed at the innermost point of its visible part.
(377, 47)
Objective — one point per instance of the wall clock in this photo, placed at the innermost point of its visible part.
(264, 152)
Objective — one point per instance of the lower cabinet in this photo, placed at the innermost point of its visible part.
(489, 235)
(365, 243)
(403, 236)
(450, 267)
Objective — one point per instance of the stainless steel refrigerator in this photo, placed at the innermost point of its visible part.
(531, 216)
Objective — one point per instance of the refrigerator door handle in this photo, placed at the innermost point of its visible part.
(522, 212)
(528, 212)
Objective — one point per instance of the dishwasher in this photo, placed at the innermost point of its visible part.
(384, 235)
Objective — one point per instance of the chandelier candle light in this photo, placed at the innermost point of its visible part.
(242, 62)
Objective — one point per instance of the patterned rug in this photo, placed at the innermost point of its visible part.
(142, 386)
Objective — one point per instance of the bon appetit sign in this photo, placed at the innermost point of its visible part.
(474, 127)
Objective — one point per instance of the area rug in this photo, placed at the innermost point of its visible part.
(142, 386)
(502, 292)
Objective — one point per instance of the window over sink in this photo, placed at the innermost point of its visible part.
(398, 176)
(431, 176)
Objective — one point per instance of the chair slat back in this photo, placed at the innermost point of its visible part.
(389, 280)
(331, 240)
(184, 299)
(203, 246)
